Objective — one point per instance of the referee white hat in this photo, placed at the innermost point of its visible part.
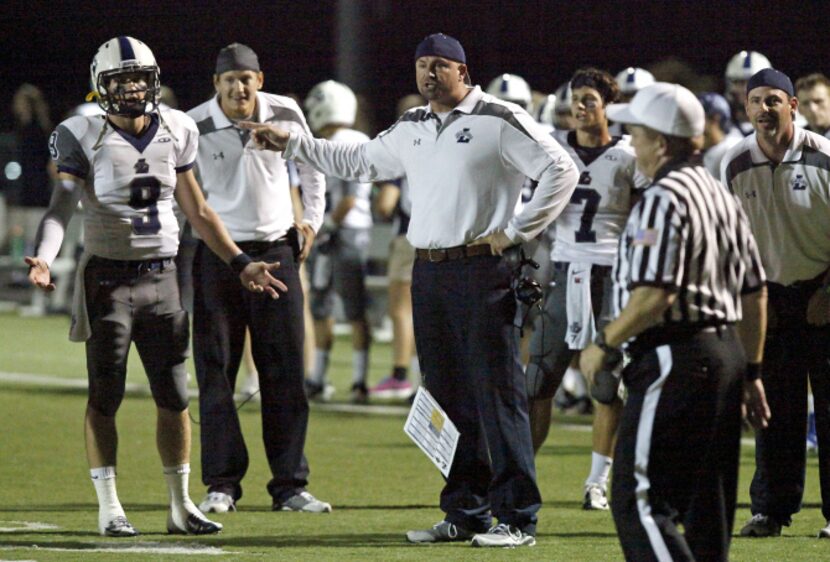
(667, 108)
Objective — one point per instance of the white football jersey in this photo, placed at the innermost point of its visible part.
(360, 216)
(589, 228)
(129, 181)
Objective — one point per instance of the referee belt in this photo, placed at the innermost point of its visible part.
(437, 255)
(667, 334)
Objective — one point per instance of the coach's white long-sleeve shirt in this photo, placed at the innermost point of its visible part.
(249, 188)
(465, 172)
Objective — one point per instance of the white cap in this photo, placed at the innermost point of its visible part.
(634, 79)
(667, 108)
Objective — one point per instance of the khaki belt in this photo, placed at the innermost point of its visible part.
(436, 255)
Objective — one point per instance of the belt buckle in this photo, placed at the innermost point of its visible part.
(441, 253)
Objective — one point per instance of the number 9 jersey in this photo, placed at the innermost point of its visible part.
(589, 228)
(129, 181)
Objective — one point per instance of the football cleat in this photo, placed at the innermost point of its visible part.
(119, 527)
(595, 497)
(194, 524)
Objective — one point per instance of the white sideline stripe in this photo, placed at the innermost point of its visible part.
(642, 450)
(144, 389)
(187, 549)
(26, 526)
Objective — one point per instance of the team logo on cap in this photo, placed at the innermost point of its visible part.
(464, 135)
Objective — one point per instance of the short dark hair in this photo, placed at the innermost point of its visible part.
(811, 81)
(599, 80)
(678, 148)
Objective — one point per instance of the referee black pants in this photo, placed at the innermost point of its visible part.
(676, 460)
(468, 348)
(794, 350)
(222, 311)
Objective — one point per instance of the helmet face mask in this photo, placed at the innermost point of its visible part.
(125, 77)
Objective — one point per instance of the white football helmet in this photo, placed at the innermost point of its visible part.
(123, 55)
(744, 64)
(563, 98)
(633, 79)
(330, 103)
(512, 88)
(544, 112)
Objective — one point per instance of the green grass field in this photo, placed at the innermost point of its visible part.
(378, 481)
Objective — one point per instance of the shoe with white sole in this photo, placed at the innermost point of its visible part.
(505, 536)
(118, 527)
(303, 502)
(217, 502)
(595, 497)
(824, 533)
(443, 531)
(761, 525)
(192, 523)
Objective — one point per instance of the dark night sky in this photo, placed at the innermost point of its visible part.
(51, 45)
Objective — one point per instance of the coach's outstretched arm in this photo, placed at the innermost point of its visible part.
(371, 161)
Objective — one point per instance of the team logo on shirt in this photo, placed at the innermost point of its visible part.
(799, 183)
(464, 135)
(53, 145)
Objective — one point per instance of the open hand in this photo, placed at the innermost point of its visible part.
(39, 274)
(256, 277)
(308, 239)
(266, 137)
(498, 242)
(755, 407)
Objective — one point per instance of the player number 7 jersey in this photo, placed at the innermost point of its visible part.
(589, 228)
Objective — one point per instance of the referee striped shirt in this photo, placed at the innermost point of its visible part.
(688, 234)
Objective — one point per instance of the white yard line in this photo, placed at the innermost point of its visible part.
(186, 549)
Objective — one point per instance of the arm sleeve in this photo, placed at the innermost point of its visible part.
(367, 162)
(754, 275)
(52, 227)
(658, 245)
(186, 156)
(67, 153)
(538, 156)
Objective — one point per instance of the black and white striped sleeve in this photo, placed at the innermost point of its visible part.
(754, 277)
(657, 241)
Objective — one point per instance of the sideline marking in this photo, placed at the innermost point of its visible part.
(187, 549)
(26, 526)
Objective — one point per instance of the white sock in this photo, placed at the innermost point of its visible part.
(321, 365)
(574, 382)
(415, 367)
(360, 366)
(178, 480)
(108, 505)
(600, 468)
